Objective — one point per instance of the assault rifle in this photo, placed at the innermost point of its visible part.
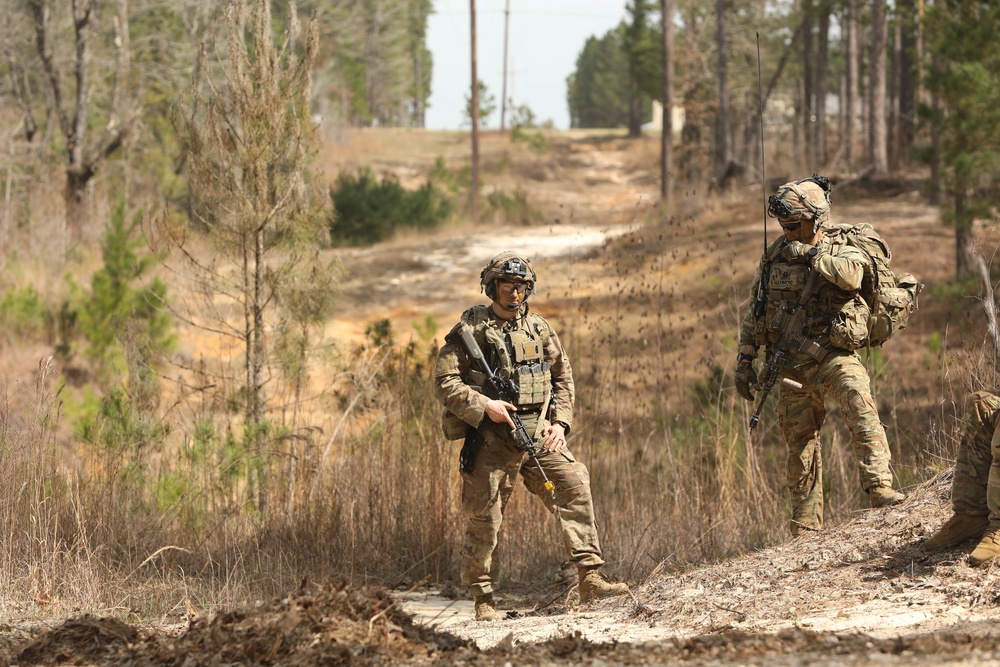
(788, 321)
(506, 390)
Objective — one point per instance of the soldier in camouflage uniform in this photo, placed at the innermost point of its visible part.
(813, 255)
(522, 346)
(975, 490)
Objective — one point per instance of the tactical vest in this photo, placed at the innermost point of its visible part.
(829, 310)
(515, 351)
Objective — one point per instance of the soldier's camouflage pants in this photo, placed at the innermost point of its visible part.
(486, 490)
(801, 412)
(975, 489)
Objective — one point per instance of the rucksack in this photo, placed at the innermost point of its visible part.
(891, 297)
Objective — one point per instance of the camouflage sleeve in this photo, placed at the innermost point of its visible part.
(747, 343)
(450, 388)
(563, 389)
(845, 269)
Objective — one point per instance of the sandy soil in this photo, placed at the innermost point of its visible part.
(870, 575)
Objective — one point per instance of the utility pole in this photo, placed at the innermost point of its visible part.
(475, 119)
(503, 97)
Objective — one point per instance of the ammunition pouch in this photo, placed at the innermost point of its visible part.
(534, 383)
(849, 327)
(454, 427)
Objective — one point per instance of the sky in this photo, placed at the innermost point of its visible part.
(544, 39)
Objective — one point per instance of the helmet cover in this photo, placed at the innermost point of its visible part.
(507, 264)
(803, 200)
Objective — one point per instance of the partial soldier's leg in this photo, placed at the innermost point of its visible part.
(845, 379)
(973, 465)
(989, 546)
(800, 416)
(575, 504)
(506, 488)
(969, 491)
(482, 504)
(574, 509)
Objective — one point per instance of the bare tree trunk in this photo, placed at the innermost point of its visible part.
(503, 92)
(81, 163)
(634, 111)
(907, 80)
(879, 131)
(723, 150)
(822, 56)
(257, 371)
(474, 194)
(797, 129)
(853, 70)
(895, 72)
(934, 182)
(964, 238)
(808, 113)
(372, 48)
(667, 128)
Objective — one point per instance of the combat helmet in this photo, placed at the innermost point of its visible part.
(805, 199)
(507, 264)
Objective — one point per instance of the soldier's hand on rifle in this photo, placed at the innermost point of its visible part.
(498, 413)
(746, 378)
(796, 251)
(555, 438)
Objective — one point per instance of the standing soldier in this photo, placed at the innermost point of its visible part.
(812, 267)
(522, 349)
(975, 489)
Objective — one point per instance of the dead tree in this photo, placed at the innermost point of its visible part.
(84, 157)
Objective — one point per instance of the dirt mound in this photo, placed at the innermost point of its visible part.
(334, 625)
(870, 574)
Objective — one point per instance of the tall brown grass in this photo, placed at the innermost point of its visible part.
(374, 497)
(672, 487)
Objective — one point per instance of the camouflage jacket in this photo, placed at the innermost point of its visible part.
(526, 349)
(840, 271)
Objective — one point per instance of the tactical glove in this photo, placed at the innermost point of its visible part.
(746, 377)
(796, 251)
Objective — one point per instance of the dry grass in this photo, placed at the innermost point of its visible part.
(650, 322)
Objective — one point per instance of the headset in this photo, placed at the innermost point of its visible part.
(514, 267)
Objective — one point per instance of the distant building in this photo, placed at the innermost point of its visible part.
(677, 117)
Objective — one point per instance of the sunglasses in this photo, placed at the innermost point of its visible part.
(515, 286)
(790, 225)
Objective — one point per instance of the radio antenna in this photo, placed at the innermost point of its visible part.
(760, 115)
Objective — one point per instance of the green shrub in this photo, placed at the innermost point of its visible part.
(23, 313)
(535, 140)
(367, 210)
(451, 180)
(511, 207)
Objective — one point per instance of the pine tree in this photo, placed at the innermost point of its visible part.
(966, 81)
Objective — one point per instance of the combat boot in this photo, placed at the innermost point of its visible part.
(883, 496)
(486, 609)
(958, 528)
(988, 547)
(594, 587)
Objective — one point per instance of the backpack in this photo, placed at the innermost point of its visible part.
(891, 297)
